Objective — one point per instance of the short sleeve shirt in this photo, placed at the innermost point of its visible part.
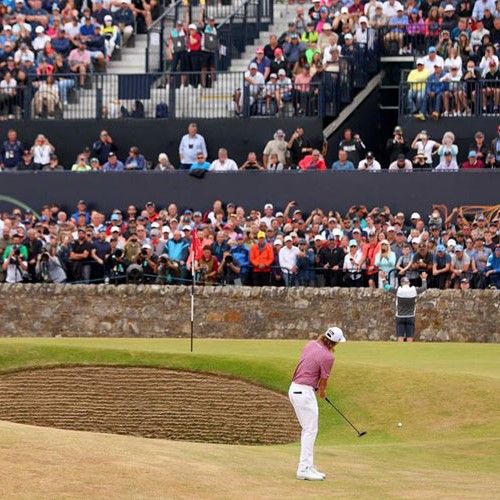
(315, 363)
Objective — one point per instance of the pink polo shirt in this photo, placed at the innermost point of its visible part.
(316, 362)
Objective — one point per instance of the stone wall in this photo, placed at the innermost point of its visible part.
(239, 312)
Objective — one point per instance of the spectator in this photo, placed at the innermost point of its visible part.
(113, 164)
(251, 163)
(41, 151)
(53, 166)
(432, 59)
(200, 164)
(11, 151)
(111, 35)
(261, 258)
(47, 96)
(81, 165)
(493, 268)
(461, 266)
(353, 146)
(385, 261)
(342, 163)
(448, 145)
(79, 62)
(314, 161)
(164, 164)
(194, 55)
(397, 145)
(26, 162)
(190, 145)
(103, 146)
(472, 161)
(447, 163)
(331, 260)
(274, 165)
(223, 163)
(495, 147)
(8, 92)
(293, 49)
(436, 88)
(479, 146)
(401, 164)
(425, 146)
(135, 160)
(15, 259)
(353, 266)
(263, 63)
(288, 259)
(278, 146)
(124, 17)
(279, 62)
(64, 84)
(369, 163)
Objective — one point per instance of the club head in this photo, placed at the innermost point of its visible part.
(361, 434)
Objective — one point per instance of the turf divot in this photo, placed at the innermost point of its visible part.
(148, 402)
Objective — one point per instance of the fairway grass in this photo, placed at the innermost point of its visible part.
(447, 397)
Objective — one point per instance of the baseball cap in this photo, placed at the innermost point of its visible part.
(192, 26)
(253, 66)
(464, 280)
(472, 154)
(39, 29)
(441, 248)
(108, 18)
(370, 154)
(147, 245)
(155, 225)
(348, 36)
(268, 205)
(279, 214)
(415, 215)
(432, 49)
(415, 240)
(391, 228)
(261, 234)
(337, 232)
(335, 334)
(449, 8)
(353, 243)
(327, 26)
(438, 64)
(420, 61)
(452, 242)
(344, 10)
(165, 229)
(281, 71)
(273, 75)
(459, 248)
(115, 217)
(318, 237)
(288, 238)
(115, 229)
(356, 230)
(363, 19)
(240, 237)
(277, 242)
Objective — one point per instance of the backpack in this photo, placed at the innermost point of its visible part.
(161, 110)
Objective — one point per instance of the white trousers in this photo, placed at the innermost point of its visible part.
(305, 404)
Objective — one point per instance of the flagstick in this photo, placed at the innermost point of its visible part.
(192, 303)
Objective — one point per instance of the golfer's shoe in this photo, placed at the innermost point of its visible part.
(322, 474)
(309, 474)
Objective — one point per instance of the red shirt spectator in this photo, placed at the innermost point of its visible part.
(194, 40)
(313, 161)
(473, 161)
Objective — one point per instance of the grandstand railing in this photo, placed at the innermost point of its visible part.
(413, 38)
(479, 96)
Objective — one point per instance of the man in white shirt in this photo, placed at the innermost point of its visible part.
(432, 59)
(223, 163)
(268, 214)
(288, 261)
(38, 43)
(369, 163)
(390, 8)
(191, 144)
(480, 6)
(255, 82)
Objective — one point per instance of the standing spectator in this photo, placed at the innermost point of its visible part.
(41, 151)
(177, 52)
(385, 261)
(8, 92)
(11, 152)
(261, 258)
(103, 146)
(448, 145)
(422, 263)
(262, 62)
(425, 146)
(15, 260)
(353, 146)
(278, 146)
(495, 147)
(47, 95)
(397, 145)
(472, 161)
(299, 147)
(288, 257)
(440, 268)
(207, 267)
(80, 257)
(479, 146)
(353, 266)
(342, 163)
(406, 297)
(190, 145)
(193, 47)
(331, 260)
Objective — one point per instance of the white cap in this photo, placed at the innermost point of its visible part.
(277, 242)
(420, 61)
(348, 36)
(449, 8)
(363, 19)
(415, 240)
(253, 66)
(452, 242)
(288, 238)
(279, 214)
(148, 246)
(108, 18)
(391, 228)
(281, 71)
(318, 237)
(187, 228)
(415, 215)
(438, 64)
(7, 27)
(165, 229)
(192, 27)
(335, 334)
(344, 10)
(337, 232)
(327, 26)
(155, 225)
(39, 29)
(268, 205)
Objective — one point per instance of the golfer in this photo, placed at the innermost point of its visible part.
(406, 298)
(311, 374)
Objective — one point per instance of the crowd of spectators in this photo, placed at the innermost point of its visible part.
(247, 246)
(278, 154)
(44, 42)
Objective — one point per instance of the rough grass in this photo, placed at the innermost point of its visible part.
(446, 395)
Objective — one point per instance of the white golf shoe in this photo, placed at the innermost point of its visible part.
(322, 474)
(309, 474)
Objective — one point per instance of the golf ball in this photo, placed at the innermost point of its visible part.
(400, 424)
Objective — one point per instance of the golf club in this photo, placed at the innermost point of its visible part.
(360, 433)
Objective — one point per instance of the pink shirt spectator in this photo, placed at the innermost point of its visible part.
(79, 57)
(315, 362)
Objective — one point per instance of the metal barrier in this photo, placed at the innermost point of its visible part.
(413, 41)
(463, 98)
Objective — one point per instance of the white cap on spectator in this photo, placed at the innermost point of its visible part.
(7, 27)
(268, 205)
(318, 237)
(449, 8)
(273, 75)
(187, 228)
(356, 230)
(108, 18)
(192, 27)
(420, 61)
(337, 232)
(391, 228)
(115, 229)
(452, 243)
(415, 215)
(348, 36)
(344, 10)
(277, 241)
(415, 240)
(281, 71)
(165, 229)
(316, 1)
(363, 19)
(279, 214)
(327, 26)
(39, 29)
(253, 66)
(438, 64)
(155, 225)
(147, 245)
(288, 238)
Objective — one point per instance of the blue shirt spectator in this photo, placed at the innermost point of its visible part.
(177, 248)
(480, 6)
(113, 164)
(343, 163)
(434, 83)
(200, 163)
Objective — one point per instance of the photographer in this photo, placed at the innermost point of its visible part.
(229, 271)
(148, 262)
(115, 265)
(206, 267)
(101, 249)
(79, 257)
(35, 247)
(49, 268)
(15, 260)
(397, 145)
(168, 270)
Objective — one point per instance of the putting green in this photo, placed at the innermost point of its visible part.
(446, 396)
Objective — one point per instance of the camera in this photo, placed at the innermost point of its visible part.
(229, 259)
(144, 252)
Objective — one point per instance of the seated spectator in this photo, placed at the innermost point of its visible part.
(26, 162)
(314, 161)
(254, 85)
(369, 163)
(479, 146)
(53, 166)
(493, 268)
(435, 90)
(490, 91)
(447, 163)
(397, 28)
(8, 92)
(271, 46)
(251, 163)
(135, 160)
(223, 163)
(285, 88)
(47, 96)
(64, 84)
(455, 92)
(11, 151)
(201, 163)
(96, 45)
(441, 268)
(272, 95)
(113, 164)
(472, 161)
(111, 35)
(279, 62)
(262, 62)
(79, 62)
(448, 145)
(274, 165)
(401, 163)
(495, 147)
(342, 163)
(38, 43)
(124, 17)
(81, 165)
(293, 49)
